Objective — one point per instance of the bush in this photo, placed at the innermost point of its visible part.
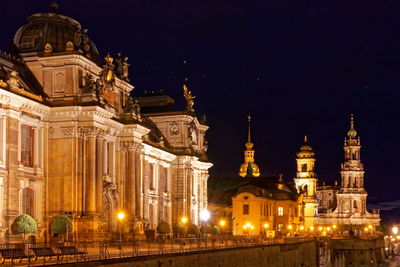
(150, 234)
(215, 230)
(61, 225)
(193, 229)
(24, 224)
(163, 228)
(178, 228)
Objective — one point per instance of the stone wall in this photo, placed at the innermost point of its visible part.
(356, 251)
(297, 254)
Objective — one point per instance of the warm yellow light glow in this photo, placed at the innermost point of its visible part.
(395, 230)
(244, 226)
(301, 227)
(334, 226)
(290, 227)
(252, 227)
(398, 237)
(184, 219)
(328, 228)
(366, 229)
(266, 225)
(222, 223)
(312, 228)
(320, 228)
(121, 216)
(370, 226)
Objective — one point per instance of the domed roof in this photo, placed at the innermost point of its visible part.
(53, 33)
(305, 146)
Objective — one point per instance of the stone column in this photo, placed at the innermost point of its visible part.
(90, 194)
(137, 183)
(99, 175)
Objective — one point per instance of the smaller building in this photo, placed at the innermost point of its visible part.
(326, 196)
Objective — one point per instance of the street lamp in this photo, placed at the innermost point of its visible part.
(204, 217)
(184, 219)
(395, 230)
(120, 217)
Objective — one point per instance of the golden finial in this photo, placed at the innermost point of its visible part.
(305, 139)
(351, 133)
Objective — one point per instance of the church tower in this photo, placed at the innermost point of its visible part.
(249, 168)
(306, 182)
(352, 196)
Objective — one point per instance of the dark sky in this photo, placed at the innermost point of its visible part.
(299, 67)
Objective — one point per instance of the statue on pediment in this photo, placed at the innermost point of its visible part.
(122, 67)
(132, 106)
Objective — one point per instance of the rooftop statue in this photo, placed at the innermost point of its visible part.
(189, 98)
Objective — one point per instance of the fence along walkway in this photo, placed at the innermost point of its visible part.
(134, 248)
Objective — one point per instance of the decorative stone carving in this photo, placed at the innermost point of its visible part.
(69, 46)
(174, 129)
(129, 145)
(68, 131)
(122, 66)
(107, 75)
(48, 48)
(132, 106)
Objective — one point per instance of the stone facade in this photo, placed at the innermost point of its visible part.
(351, 207)
(74, 142)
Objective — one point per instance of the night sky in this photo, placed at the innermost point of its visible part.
(297, 67)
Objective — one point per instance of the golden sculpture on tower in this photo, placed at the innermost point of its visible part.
(189, 98)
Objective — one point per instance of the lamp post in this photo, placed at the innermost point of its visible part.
(120, 217)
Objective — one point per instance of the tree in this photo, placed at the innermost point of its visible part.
(163, 228)
(61, 225)
(24, 224)
(215, 230)
(193, 229)
(178, 228)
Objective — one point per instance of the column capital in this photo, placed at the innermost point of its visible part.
(130, 145)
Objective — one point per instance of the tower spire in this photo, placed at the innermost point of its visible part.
(249, 133)
(305, 138)
(249, 168)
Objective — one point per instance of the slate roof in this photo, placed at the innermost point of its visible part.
(222, 189)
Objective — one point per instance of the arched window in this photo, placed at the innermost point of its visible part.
(28, 201)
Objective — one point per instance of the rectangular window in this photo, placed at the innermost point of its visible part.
(280, 211)
(303, 167)
(280, 226)
(27, 137)
(165, 178)
(245, 209)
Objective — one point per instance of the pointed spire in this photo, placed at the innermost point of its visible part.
(305, 139)
(352, 133)
(249, 134)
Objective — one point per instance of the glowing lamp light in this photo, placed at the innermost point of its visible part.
(290, 227)
(301, 227)
(395, 230)
(312, 228)
(334, 226)
(252, 227)
(222, 223)
(204, 215)
(266, 225)
(121, 216)
(370, 226)
(184, 219)
(366, 229)
(320, 228)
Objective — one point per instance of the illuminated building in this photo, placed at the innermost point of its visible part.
(351, 206)
(74, 142)
(249, 168)
(306, 182)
